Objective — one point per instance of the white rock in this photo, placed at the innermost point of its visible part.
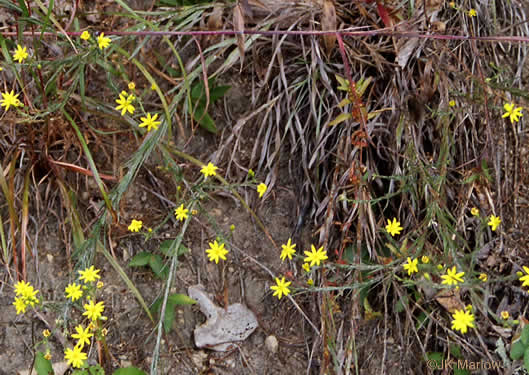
(271, 344)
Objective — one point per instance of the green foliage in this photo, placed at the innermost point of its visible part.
(155, 261)
(172, 301)
(42, 365)
(199, 100)
(90, 370)
(520, 348)
(129, 371)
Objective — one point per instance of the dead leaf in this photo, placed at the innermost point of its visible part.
(328, 23)
(433, 5)
(439, 27)
(450, 299)
(215, 18)
(406, 51)
(238, 24)
(384, 15)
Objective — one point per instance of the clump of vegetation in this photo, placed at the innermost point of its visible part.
(406, 196)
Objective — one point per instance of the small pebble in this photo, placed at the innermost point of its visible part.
(271, 344)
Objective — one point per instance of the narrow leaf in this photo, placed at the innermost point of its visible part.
(341, 118)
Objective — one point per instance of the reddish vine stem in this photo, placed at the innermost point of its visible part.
(346, 32)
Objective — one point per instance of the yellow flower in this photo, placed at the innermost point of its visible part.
(468, 308)
(288, 250)
(394, 227)
(251, 173)
(153, 86)
(261, 189)
(104, 332)
(525, 278)
(310, 282)
(483, 277)
(10, 99)
(505, 315)
(100, 284)
(26, 293)
(82, 336)
(85, 35)
(425, 259)
(209, 170)
(89, 275)
(181, 212)
(462, 321)
(281, 288)
(125, 103)
(132, 86)
(512, 112)
(20, 53)
(452, 277)
(216, 252)
(20, 305)
(103, 41)
(46, 333)
(93, 311)
(75, 357)
(452, 103)
(494, 222)
(306, 267)
(315, 256)
(73, 291)
(135, 225)
(22, 288)
(232, 228)
(474, 211)
(47, 356)
(472, 13)
(411, 266)
(150, 122)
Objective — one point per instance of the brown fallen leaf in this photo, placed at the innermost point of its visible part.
(238, 24)
(328, 23)
(450, 299)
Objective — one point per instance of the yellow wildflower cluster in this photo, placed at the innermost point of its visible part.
(314, 257)
(25, 296)
(125, 103)
(92, 310)
(135, 225)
